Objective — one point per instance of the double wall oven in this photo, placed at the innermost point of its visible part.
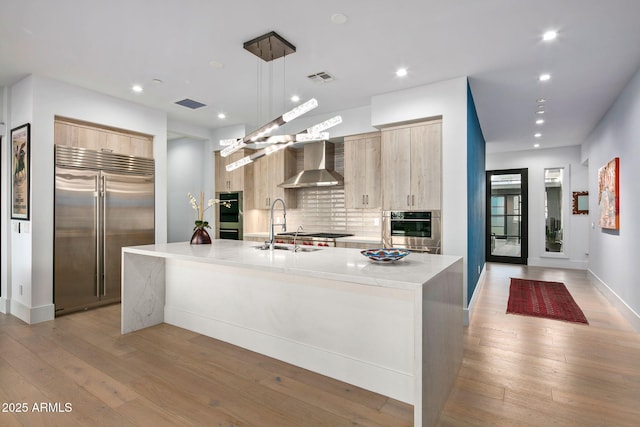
(229, 219)
(417, 231)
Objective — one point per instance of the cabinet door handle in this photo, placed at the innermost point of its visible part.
(408, 204)
(363, 199)
(367, 200)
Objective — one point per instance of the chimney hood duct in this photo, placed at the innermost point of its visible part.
(318, 168)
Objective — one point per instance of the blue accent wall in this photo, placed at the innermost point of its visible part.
(476, 198)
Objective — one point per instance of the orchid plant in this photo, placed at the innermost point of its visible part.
(201, 209)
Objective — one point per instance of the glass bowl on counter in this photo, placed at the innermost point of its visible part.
(385, 254)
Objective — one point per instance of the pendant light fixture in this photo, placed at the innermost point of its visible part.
(269, 47)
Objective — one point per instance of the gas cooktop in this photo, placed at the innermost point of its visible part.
(319, 235)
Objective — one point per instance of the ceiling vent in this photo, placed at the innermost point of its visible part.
(190, 103)
(321, 77)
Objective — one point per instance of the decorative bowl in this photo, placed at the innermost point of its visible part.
(385, 254)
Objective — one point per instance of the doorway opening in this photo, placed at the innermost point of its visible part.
(507, 218)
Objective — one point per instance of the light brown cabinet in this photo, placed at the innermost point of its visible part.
(270, 171)
(412, 166)
(236, 179)
(85, 135)
(362, 171)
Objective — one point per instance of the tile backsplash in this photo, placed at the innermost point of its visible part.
(321, 209)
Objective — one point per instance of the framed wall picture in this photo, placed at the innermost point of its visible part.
(20, 171)
(580, 202)
(609, 195)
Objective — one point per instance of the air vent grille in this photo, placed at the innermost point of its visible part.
(321, 77)
(190, 103)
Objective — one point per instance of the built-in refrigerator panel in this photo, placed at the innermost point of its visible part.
(76, 263)
(128, 212)
(103, 202)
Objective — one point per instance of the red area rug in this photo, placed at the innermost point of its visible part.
(543, 299)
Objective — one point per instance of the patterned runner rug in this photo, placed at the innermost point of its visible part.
(543, 299)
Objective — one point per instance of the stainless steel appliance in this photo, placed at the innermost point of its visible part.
(311, 239)
(229, 219)
(417, 231)
(103, 201)
(319, 165)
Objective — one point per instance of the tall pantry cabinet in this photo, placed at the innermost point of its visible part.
(412, 167)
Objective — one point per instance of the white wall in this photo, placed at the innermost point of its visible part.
(449, 100)
(38, 100)
(4, 186)
(576, 244)
(185, 166)
(613, 254)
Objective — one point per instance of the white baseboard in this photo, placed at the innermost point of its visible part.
(32, 315)
(558, 263)
(4, 305)
(468, 311)
(627, 312)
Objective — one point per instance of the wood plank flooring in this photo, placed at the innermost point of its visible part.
(517, 371)
(166, 376)
(528, 371)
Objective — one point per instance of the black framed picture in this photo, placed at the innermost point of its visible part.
(20, 171)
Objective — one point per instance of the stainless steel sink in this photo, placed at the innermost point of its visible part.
(265, 247)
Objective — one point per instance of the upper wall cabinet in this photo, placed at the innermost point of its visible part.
(362, 171)
(94, 137)
(240, 179)
(236, 179)
(412, 166)
(270, 171)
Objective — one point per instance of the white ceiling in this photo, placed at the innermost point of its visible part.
(109, 45)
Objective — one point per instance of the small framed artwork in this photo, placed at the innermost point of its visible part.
(609, 195)
(580, 202)
(20, 171)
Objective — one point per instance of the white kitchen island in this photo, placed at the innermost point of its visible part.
(395, 329)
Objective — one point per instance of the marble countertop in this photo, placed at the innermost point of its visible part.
(342, 264)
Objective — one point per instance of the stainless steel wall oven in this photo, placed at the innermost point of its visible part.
(417, 231)
(229, 220)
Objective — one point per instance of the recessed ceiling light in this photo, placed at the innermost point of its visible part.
(541, 100)
(401, 72)
(540, 112)
(339, 18)
(544, 77)
(216, 64)
(222, 116)
(536, 145)
(295, 98)
(537, 135)
(539, 121)
(136, 88)
(549, 35)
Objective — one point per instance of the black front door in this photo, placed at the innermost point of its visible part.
(507, 202)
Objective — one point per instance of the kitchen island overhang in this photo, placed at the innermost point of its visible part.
(395, 329)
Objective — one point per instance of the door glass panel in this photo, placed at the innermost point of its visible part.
(553, 209)
(506, 215)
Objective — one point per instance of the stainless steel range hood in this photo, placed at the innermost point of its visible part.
(318, 168)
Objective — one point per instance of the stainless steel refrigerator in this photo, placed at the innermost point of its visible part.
(103, 201)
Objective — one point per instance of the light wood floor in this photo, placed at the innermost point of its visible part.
(528, 371)
(516, 371)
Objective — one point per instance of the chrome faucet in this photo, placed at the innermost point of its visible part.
(295, 237)
(271, 224)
